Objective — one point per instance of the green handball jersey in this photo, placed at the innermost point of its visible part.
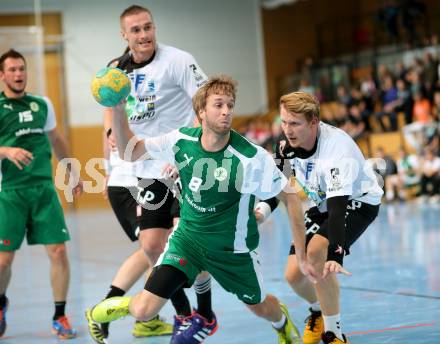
(218, 188)
(24, 123)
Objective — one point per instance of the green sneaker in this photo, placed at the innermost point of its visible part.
(152, 328)
(95, 330)
(110, 309)
(288, 334)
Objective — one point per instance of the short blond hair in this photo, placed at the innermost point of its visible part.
(220, 84)
(302, 103)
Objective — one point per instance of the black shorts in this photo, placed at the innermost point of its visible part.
(358, 217)
(143, 207)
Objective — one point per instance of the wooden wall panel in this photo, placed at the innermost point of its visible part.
(86, 144)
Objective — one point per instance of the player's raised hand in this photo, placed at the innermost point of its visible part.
(78, 189)
(170, 171)
(332, 267)
(18, 156)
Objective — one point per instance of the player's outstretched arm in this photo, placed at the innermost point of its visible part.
(130, 147)
(296, 218)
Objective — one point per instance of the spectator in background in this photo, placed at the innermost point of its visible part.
(430, 177)
(415, 132)
(407, 176)
(390, 166)
(355, 124)
(342, 95)
(389, 98)
(368, 89)
(404, 102)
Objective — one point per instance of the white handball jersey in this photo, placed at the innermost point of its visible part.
(337, 168)
(160, 101)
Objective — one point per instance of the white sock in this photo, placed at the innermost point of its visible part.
(333, 323)
(316, 307)
(280, 323)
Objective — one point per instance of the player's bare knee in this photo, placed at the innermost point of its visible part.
(316, 256)
(140, 311)
(5, 263)
(58, 254)
(152, 249)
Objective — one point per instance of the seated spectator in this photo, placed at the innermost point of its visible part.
(430, 177)
(416, 132)
(388, 169)
(407, 176)
(404, 102)
(389, 98)
(355, 124)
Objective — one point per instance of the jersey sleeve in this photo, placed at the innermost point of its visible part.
(162, 147)
(188, 74)
(51, 121)
(340, 172)
(263, 178)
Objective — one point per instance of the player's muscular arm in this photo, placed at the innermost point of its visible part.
(336, 207)
(130, 148)
(294, 209)
(18, 156)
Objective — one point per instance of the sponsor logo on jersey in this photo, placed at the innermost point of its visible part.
(220, 174)
(335, 182)
(249, 297)
(309, 169)
(137, 80)
(334, 172)
(28, 131)
(175, 258)
(151, 86)
(198, 77)
(34, 106)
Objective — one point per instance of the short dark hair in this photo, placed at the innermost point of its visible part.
(134, 9)
(11, 53)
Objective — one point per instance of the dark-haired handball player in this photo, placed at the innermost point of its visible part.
(29, 204)
(330, 168)
(221, 173)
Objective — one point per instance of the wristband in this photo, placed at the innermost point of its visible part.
(264, 209)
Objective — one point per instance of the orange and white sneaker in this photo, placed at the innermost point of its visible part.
(314, 328)
(62, 328)
(330, 338)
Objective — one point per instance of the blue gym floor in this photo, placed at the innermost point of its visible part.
(392, 297)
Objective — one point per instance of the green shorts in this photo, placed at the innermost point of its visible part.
(237, 273)
(35, 212)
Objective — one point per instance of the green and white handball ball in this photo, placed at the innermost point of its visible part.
(110, 86)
